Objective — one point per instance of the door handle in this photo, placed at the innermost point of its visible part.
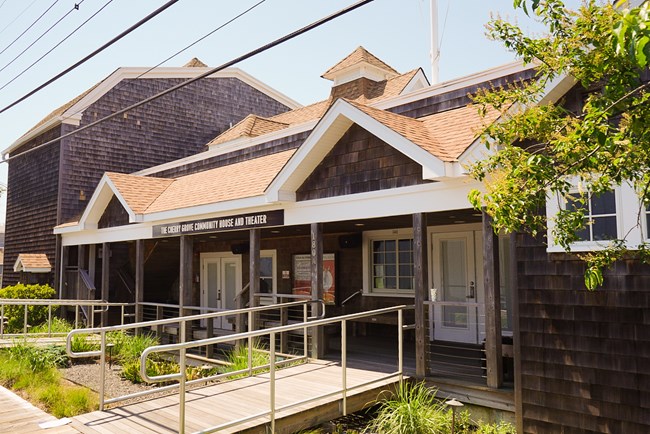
(472, 290)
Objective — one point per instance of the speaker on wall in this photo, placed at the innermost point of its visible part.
(350, 241)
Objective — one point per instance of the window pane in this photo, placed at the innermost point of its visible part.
(405, 245)
(604, 228)
(379, 258)
(405, 270)
(390, 245)
(391, 258)
(405, 283)
(391, 282)
(266, 267)
(391, 270)
(604, 203)
(573, 202)
(583, 234)
(405, 257)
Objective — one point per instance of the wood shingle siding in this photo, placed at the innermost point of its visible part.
(584, 355)
(358, 163)
(54, 185)
(31, 203)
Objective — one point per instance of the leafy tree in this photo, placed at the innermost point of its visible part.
(543, 150)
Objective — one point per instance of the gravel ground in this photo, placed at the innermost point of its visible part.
(88, 375)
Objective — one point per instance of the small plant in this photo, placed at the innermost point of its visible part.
(83, 343)
(496, 428)
(37, 359)
(131, 370)
(237, 359)
(58, 326)
(413, 409)
(127, 348)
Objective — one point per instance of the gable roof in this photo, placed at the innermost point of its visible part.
(139, 192)
(253, 126)
(71, 111)
(358, 56)
(32, 263)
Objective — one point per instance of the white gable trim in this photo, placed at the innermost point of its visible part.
(102, 195)
(553, 91)
(18, 267)
(338, 119)
(73, 114)
(419, 81)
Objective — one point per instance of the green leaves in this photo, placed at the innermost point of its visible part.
(598, 136)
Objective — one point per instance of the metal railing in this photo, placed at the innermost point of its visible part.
(182, 322)
(182, 348)
(94, 306)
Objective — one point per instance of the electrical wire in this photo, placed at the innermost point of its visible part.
(91, 55)
(18, 16)
(30, 26)
(53, 48)
(187, 47)
(208, 73)
(74, 8)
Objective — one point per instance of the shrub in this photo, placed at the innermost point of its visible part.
(413, 409)
(127, 348)
(36, 314)
(496, 428)
(37, 359)
(237, 359)
(82, 343)
(131, 370)
(58, 325)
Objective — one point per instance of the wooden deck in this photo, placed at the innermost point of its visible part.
(18, 416)
(225, 402)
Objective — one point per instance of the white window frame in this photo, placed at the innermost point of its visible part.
(627, 206)
(368, 238)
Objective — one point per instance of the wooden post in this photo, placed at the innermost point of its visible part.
(81, 256)
(318, 335)
(254, 273)
(58, 266)
(421, 283)
(493, 354)
(139, 279)
(516, 337)
(185, 279)
(106, 259)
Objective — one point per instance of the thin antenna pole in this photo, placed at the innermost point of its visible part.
(435, 52)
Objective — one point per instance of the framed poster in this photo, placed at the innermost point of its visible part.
(302, 276)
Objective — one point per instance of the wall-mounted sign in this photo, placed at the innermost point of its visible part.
(302, 276)
(221, 224)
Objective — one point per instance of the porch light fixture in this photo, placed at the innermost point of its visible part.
(359, 225)
(453, 403)
(275, 231)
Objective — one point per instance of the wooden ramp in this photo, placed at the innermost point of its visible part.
(225, 402)
(18, 416)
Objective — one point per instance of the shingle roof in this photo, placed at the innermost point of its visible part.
(377, 92)
(250, 126)
(139, 191)
(195, 63)
(236, 181)
(357, 56)
(32, 262)
(445, 135)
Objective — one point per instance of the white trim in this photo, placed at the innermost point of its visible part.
(138, 231)
(627, 206)
(367, 238)
(336, 121)
(72, 115)
(432, 197)
(417, 82)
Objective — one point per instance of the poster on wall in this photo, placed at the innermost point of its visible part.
(302, 276)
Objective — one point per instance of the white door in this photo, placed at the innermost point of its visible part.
(220, 282)
(454, 279)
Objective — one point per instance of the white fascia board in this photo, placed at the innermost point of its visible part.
(98, 202)
(433, 197)
(251, 204)
(139, 231)
(553, 91)
(338, 119)
(176, 72)
(231, 146)
(455, 84)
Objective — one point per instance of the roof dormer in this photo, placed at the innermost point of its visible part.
(359, 64)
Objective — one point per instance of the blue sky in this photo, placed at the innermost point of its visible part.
(397, 31)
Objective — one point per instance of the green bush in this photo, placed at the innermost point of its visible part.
(35, 314)
(131, 369)
(58, 325)
(237, 359)
(82, 343)
(127, 347)
(496, 428)
(37, 359)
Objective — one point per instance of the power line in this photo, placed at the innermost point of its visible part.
(74, 8)
(18, 16)
(187, 47)
(53, 48)
(91, 55)
(30, 26)
(230, 63)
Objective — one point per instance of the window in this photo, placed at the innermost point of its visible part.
(267, 271)
(600, 216)
(391, 265)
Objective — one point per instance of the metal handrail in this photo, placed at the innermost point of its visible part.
(182, 321)
(51, 303)
(182, 347)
